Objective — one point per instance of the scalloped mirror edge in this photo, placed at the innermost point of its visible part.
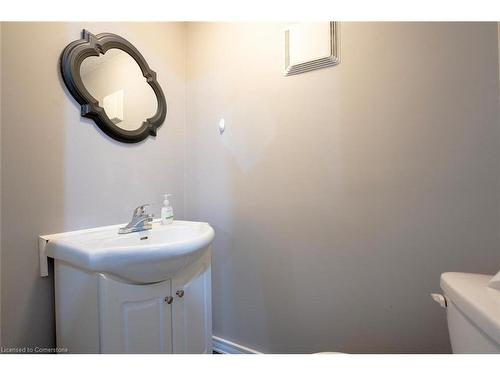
(96, 45)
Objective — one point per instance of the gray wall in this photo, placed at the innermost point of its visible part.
(339, 196)
(59, 172)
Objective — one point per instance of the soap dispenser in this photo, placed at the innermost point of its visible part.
(167, 212)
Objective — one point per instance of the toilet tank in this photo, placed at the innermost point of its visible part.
(473, 312)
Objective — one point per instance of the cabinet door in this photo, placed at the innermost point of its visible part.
(134, 318)
(192, 308)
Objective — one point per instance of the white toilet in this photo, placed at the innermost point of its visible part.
(472, 303)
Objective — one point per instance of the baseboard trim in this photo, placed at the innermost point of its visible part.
(224, 346)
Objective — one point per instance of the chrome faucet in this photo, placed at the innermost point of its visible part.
(140, 221)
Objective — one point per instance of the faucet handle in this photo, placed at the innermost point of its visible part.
(141, 210)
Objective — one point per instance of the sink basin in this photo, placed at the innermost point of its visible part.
(141, 257)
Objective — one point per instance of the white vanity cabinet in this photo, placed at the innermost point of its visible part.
(135, 318)
(192, 310)
(100, 313)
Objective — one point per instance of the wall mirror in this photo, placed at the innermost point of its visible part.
(114, 86)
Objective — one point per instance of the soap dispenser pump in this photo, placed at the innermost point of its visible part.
(167, 212)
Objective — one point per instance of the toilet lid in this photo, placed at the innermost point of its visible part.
(480, 303)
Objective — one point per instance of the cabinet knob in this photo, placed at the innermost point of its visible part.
(180, 293)
(169, 299)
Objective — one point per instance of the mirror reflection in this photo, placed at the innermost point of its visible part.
(116, 81)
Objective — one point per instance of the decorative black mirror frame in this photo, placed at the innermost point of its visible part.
(94, 45)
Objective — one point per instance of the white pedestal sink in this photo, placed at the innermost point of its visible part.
(142, 292)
